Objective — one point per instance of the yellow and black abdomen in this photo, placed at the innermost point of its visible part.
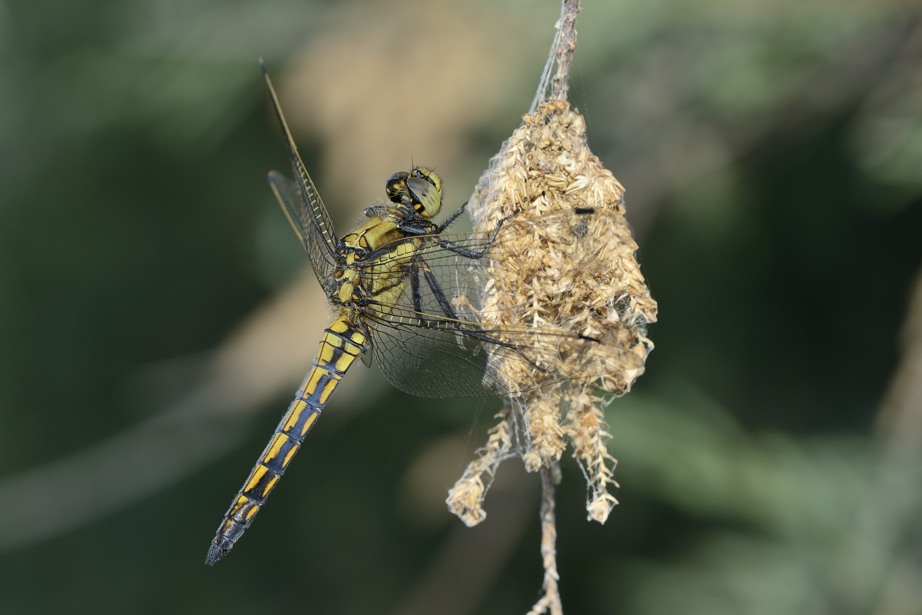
(342, 342)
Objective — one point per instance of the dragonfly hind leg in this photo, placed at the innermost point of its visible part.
(451, 321)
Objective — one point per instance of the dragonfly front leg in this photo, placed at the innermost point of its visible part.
(475, 254)
(454, 216)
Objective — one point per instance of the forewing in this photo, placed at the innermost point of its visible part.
(291, 197)
(302, 203)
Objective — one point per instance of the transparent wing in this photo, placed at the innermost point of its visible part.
(436, 340)
(302, 203)
(291, 197)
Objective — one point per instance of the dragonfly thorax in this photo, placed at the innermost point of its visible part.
(372, 262)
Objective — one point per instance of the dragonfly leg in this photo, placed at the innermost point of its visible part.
(475, 254)
(414, 287)
(451, 320)
(454, 216)
(440, 297)
(422, 226)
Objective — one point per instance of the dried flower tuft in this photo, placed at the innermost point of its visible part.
(566, 263)
(465, 499)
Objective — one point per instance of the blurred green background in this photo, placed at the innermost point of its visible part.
(156, 312)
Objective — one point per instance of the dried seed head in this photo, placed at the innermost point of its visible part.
(465, 499)
(566, 262)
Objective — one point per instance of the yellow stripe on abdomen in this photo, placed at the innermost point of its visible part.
(342, 342)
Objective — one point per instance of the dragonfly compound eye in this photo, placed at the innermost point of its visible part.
(425, 188)
(396, 187)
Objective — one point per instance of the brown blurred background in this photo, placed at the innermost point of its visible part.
(156, 312)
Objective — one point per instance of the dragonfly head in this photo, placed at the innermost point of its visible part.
(420, 189)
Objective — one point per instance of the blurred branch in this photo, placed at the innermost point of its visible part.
(889, 518)
(255, 364)
(831, 88)
(853, 510)
(470, 559)
(72, 491)
(899, 422)
(823, 92)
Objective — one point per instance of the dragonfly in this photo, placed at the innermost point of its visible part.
(403, 293)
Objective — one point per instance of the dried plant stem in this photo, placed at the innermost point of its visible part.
(550, 602)
(561, 53)
(564, 51)
(566, 264)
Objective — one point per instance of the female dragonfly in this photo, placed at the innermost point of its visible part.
(403, 291)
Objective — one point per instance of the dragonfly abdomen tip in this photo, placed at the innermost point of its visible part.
(215, 554)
